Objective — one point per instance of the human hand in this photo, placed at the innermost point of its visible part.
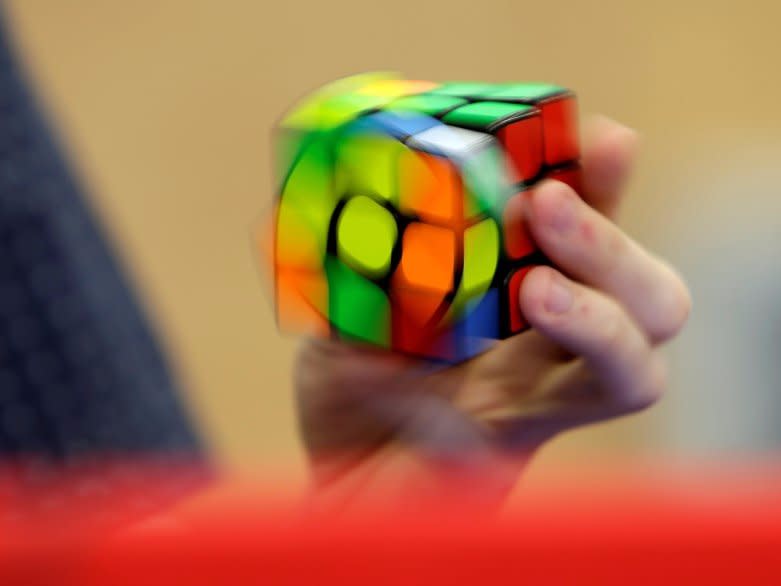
(386, 426)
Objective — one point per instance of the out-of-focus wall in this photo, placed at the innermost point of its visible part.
(167, 106)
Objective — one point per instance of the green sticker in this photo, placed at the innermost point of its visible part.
(357, 308)
(486, 185)
(306, 204)
(465, 89)
(429, 104)
(485, 115)
(523, 92)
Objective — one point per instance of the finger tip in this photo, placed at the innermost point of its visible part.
(600, 124)
(608, 156)
(547, 300)
(674, 308)
(611, 141)
(547, 198)
(533, 291)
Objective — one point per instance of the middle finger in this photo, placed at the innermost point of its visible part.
(590, 248)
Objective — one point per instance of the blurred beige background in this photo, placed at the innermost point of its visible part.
(167, 107)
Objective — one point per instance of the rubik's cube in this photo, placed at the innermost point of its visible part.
(398, 221)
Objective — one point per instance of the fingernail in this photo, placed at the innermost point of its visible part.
(559, 297)
(562, 217)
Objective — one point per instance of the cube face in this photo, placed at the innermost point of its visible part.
(399, 218)
(558, 111)
(517, 127)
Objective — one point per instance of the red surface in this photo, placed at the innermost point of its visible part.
(517, 240)
(560, 127)
(569, 175)
(517, 321)
(522, 141)
(721, 526)
(414, 319)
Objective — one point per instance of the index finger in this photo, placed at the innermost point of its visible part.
(608, 155)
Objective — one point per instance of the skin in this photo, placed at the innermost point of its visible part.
(380, 428)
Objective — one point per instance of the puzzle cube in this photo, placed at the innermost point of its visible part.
(398, 220)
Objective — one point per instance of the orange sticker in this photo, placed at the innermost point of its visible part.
(428, 255)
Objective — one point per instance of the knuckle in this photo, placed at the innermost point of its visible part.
(607, 253)
(616, 243)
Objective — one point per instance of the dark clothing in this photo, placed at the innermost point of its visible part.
(80, 372)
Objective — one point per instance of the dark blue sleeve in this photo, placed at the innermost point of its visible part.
(80, 371)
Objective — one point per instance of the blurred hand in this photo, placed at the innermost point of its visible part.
(380, 426)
